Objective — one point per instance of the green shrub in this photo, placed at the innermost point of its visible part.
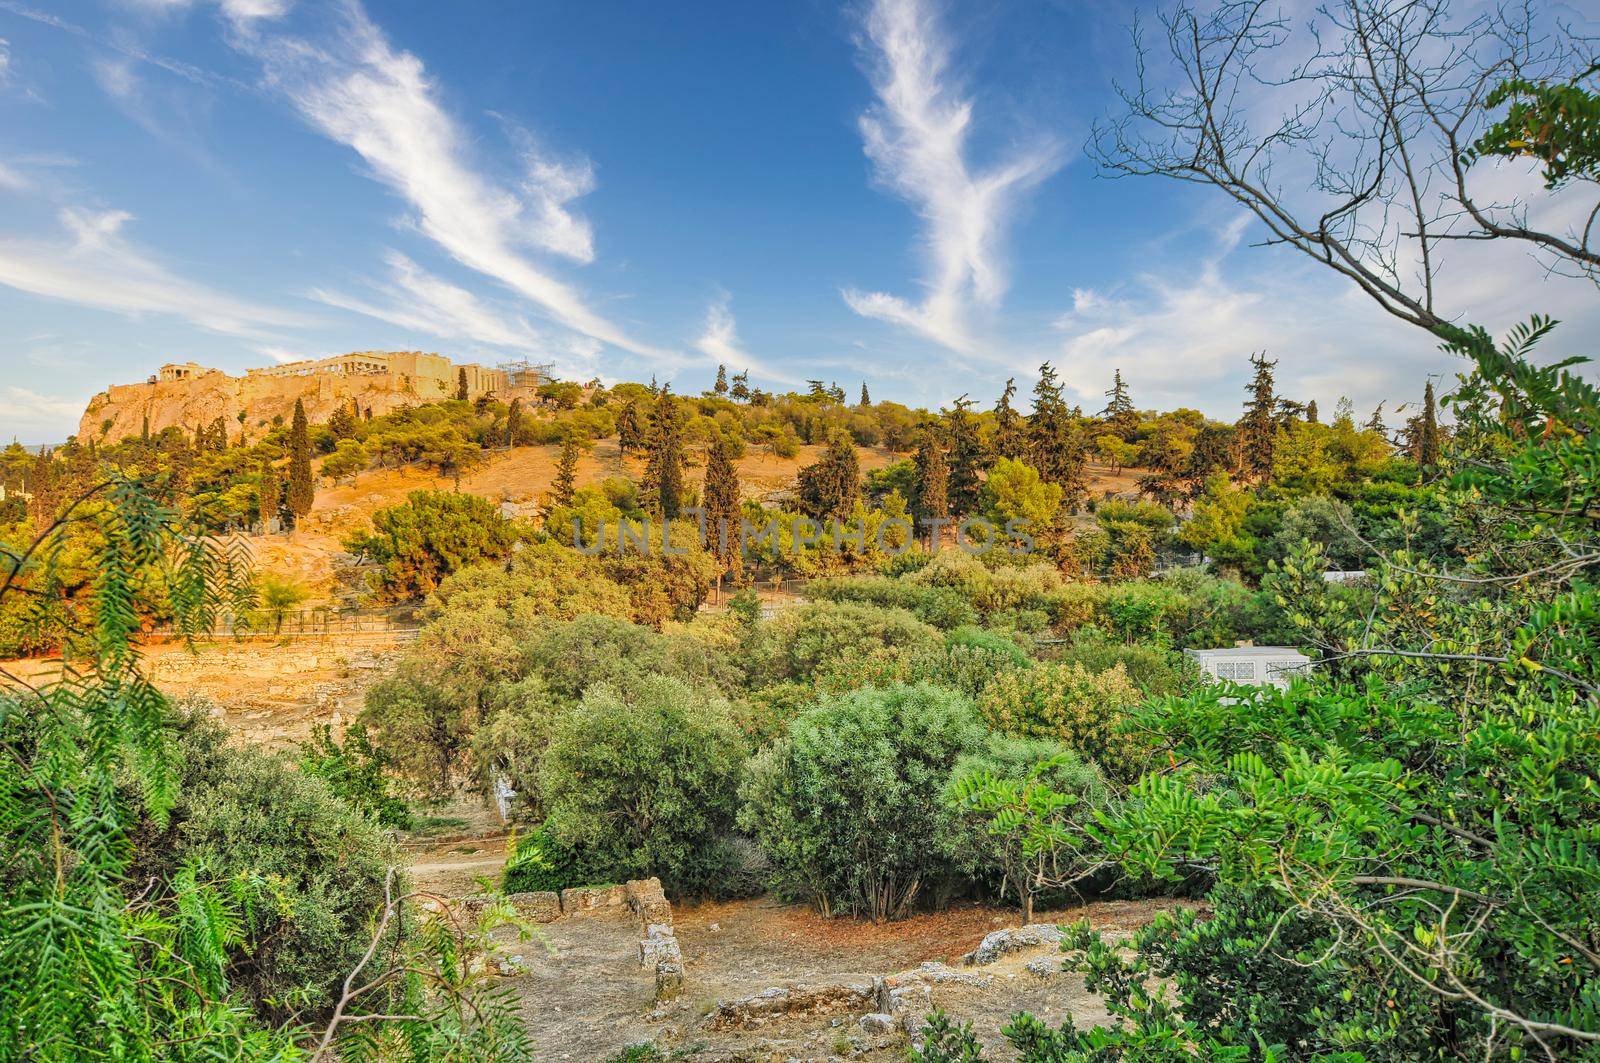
(540, 861)
(511, 745)
(643, 781)
(831, 644)
(427, 537)
(354, 770)
(1086, 711)
(575, 655)
(1154, 668)
(984, 847)
(321, 864)
(846, 807)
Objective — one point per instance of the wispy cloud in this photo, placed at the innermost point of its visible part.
(95, 265)
(421, 302)
(720, 339)
(1207, 314)
(358, 90)
(31, 417)
(719, 342)
(917, 138)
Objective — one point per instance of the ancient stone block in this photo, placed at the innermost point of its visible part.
(543, 906)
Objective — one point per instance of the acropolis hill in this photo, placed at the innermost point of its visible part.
(187, 395)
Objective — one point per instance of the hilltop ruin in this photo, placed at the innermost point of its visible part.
(187, 394)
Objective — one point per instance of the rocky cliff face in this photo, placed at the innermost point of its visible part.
(120, 411)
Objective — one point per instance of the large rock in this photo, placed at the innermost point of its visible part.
(1014, 939)
(542, 906)
(829, 998)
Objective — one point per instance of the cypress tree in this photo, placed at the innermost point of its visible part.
(513, 422)
(1258, 428)
(271, 495)
(866, 400)
(933, 477)
(663, 482)
(630, 433)
(1311, 412)
(302, 489)
(721, 387)
(721, 501)
(1010, 440)
(831, 487)
(566, 482)
(461, 383)
(218, 439)
(1428, 443)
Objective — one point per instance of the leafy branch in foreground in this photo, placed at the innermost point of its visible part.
(96, 963)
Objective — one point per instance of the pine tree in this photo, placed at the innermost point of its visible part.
(566, 481)
(1258, 429)
(461, 383)
(218, 438)
(1213, 452)
(816, 389)
(836, 393)
(740, 392)
(721, 501)
(1010, 437)
(721, 387)
(830, 488)
(1428, 443)
(1311, 412)
(513, 422)
(1055, 438)
(270, 495)
(933, 477)
(662, 489)
(1119, 412)
(967, 458)
(302, 489)
(866, 400)
(343, 421)
(1375, 422)
(630, 433)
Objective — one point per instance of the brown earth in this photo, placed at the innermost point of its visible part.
(585, 996)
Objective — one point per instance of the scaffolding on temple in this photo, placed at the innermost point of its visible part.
(525, 374)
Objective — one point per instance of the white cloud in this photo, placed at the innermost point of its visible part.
(358, 90)
(11, 179)
(917, 138)
(1182, 338)
(96, 266)
(719, 342)
(421, 302)
(34, 418)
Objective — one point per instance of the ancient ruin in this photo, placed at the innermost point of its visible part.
(188, 395)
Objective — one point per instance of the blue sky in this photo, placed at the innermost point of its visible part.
(891, 191)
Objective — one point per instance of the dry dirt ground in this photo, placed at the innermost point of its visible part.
(586, 997)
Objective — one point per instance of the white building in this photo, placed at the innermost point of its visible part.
(1252, 665)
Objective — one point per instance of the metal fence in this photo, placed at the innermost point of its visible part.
(325, 622)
